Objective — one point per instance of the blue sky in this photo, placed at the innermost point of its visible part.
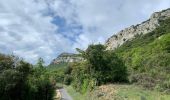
(46, 28)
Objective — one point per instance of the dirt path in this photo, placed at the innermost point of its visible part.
(62, 94)
(58, 95)
(65, 95)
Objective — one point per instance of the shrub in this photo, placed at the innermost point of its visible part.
(67, 79)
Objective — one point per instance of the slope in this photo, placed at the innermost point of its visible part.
(148, 57)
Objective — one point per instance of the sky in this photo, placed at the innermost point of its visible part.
(45, 28)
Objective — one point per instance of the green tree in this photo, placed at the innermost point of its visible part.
(100, 66)
(40, 62)
(105, 66)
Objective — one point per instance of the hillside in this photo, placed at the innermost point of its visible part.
(145, 27)
(148, 57)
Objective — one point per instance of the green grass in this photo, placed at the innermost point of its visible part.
(131, 92)
(126, 92)
(75, 95)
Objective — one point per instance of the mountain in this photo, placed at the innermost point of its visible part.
(66, 58)
(143, 28)
(147, 56)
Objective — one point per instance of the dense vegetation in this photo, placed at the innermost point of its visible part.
(19, 80)
(56, 71)
(147, 58)
(99, 67)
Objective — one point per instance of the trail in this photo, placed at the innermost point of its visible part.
(64, 94)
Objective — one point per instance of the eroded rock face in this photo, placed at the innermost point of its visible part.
(66, 58)
(143, 28)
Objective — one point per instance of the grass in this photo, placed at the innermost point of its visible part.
(119, 92)
(132, 92)
(75, 95)
(125, 92)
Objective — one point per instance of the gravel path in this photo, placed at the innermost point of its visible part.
(65, 95)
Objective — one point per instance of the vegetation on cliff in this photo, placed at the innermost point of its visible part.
(147, 58)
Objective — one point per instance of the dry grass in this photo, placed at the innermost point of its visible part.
(125, 92)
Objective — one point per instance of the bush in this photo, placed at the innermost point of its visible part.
(67, 79)
(105, 65)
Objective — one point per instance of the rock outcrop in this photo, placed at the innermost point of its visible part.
(143, 28)
(66, 58)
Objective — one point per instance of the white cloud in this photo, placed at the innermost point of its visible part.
(103, 18)
(26, 27)
(26, 32)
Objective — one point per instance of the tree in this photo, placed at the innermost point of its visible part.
(103, 65)
(40, 62)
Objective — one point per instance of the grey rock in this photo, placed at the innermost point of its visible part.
(66, 58)
(143, 28)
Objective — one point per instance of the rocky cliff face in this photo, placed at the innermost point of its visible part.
(143, 28)
(66, 58)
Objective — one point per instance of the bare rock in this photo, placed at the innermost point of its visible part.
(66, 58)
(143, 28)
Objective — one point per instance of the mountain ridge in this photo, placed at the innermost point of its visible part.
(66, 58)
(145, 27)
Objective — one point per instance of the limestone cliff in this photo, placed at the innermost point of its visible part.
(66, 58)
(143, 28)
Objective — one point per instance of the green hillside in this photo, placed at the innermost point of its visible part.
(147, 57)
(57, 66)
(57, 71)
